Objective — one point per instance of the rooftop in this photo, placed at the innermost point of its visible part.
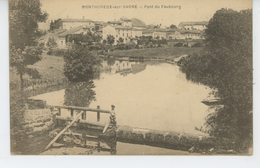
(77, 20)
(73, 30)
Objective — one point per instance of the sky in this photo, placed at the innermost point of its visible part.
(181, 10)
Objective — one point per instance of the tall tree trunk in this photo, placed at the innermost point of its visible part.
(21, 78)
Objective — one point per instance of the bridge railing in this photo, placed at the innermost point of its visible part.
(84, 114)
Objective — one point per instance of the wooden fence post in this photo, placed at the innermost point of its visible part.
(98, 114)
(71, 112)
(84, 117)
(59, 113)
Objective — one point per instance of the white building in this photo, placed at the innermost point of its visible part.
(185, 34)
(125, 33)
(193, 25)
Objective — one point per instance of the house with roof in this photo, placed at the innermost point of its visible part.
(64, 36)
(200, 25)
(72, 23)
(159, 33)
(126, 22)
(184, 34)
(125, 33)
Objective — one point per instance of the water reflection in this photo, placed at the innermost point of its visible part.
(79, 94)
(113, 66)
(150, 95)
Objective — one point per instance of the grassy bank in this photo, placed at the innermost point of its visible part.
(50, 69)
(164, 52)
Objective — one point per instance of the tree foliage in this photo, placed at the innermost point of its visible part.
(173, 26)
(24, 16)
(56, 24)
(226, 64)
(110, 39)
(80, 63)
(120, 40)
(51, 43)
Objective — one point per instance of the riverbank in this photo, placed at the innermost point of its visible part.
(152, 53)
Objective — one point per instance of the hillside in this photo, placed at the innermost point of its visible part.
(137, 23)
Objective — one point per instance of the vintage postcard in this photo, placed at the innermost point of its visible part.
(131, 77)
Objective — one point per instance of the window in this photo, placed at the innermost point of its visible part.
(61, 42)
(116, 35)
(123, 34)
(127, 34)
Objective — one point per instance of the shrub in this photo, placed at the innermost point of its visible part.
(79, 64)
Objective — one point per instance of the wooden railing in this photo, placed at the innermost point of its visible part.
(85, 109)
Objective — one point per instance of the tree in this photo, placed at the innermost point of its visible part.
(173, 26)
(226, 65)
(56, 24)
(51, 43)
(80, 63)
(110, 39)
(120, 40)
(24, 16)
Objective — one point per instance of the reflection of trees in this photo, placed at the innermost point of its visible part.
(79, 94)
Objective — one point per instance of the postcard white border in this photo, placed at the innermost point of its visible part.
(6, 160)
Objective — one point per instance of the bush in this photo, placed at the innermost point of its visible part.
(80, 64)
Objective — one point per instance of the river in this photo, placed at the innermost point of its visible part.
(152, 95)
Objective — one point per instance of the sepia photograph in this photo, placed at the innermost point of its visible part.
(131, 77)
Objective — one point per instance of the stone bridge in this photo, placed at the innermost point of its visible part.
(187, 43)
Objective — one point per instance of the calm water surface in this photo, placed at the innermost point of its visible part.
(145, 94)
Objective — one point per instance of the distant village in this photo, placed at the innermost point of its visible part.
(127, 29)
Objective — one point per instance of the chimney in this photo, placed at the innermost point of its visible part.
(83, 17)
(67, 17)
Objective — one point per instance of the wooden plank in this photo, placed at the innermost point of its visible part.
(83, 108)
(77, 134)
(71, 123)
(92, 123)
(105, 128)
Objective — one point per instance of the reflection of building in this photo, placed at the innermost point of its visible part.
(124, 67)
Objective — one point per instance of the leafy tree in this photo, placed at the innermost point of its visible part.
(110, 39)
(56, 24)
(51, 43)
(80, 64)
(226, 65)
(173, 26)
(120, 40)
(24, 16)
